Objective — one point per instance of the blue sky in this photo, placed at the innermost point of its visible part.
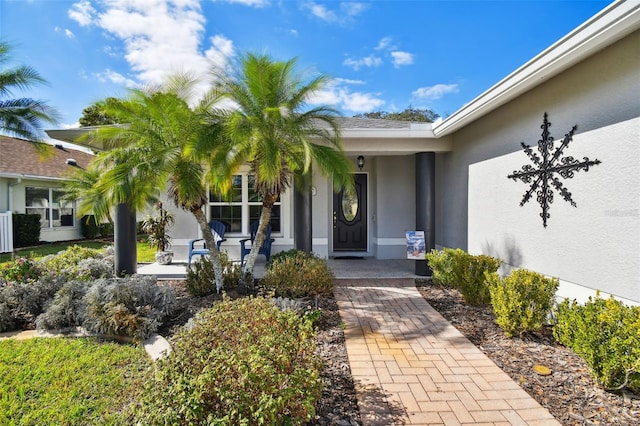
(381, 55)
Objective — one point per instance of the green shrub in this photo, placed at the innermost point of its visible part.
(132, 306)
(89, 227)
(21, 270)
(242, 362)
(106, 229)
(67, 262)
(281, 255)
(201, 279)
(26, 229)
(606, 334)
(522, 301)
(469, 276)
(299, 274)
(441, 264)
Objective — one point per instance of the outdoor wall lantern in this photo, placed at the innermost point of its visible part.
(360, 161)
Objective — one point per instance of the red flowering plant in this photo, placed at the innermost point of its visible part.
(20, 270)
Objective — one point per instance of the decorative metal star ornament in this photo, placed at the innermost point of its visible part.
(546, 171)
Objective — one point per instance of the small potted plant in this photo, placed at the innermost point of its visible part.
(156, 229)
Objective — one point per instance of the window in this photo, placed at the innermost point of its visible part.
(242, 208)
(47, 202)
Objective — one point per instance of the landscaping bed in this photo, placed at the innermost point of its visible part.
(338, 404)
(569, 393)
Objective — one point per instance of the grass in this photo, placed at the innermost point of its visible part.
(145, 252)
(69, 381)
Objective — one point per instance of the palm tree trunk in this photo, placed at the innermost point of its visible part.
(211, 244)
(265, 216)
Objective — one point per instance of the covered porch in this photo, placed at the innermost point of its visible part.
(342, 268)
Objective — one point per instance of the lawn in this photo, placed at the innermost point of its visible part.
(68, 381)
(145, 252)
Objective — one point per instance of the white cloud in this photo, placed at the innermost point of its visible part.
(339, 95)
(253, 3)
(385, 43)
(159, 37)
(345, 13)
(82, 12)
(68, 33)
(110, 76)
(110, 51)
(362, 102)
(70, 126)
(347, 81)
(220, 52)
(401, 58)
(351, 9)
(319, 11)
(367, 61)
(435, 92)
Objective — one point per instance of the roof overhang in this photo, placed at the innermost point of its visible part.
(616, 21)
(18, 176)
(415, 137)
(72, 135)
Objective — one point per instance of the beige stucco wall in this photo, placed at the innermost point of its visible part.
(593, 246)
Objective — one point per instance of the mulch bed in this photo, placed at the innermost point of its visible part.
(569, 393)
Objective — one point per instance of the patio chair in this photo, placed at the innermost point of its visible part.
(198, 247)
(266, 244)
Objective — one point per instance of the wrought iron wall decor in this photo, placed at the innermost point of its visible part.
(545, 172)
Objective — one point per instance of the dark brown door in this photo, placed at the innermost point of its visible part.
(350, 217)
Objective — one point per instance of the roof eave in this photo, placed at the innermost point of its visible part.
(72, 135)
(616, 21)
(411, 133)
(33, 177)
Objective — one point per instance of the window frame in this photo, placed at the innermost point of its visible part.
(47, 220)
(245, 205)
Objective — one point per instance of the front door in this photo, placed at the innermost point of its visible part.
(350, 217)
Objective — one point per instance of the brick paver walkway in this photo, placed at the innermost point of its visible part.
(410, 366)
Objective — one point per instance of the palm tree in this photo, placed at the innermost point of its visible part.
(274, 131)
(166, 144)
(22, 117)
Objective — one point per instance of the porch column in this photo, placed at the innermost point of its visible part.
(124, 240)
(302, 219)
(426, 204)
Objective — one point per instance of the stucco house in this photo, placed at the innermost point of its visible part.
(568, 209)
(31, 183)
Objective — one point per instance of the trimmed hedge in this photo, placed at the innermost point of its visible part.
(26, 229)
(521, 301)
(298, 274)
(606, 334)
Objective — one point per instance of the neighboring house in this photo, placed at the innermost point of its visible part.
(31, 183)
(451, 178)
